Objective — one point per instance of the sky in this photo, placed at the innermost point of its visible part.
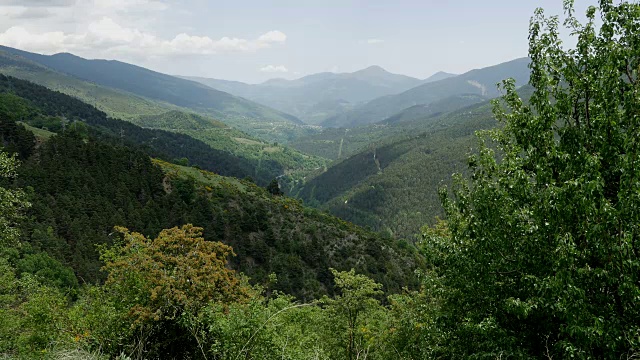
(255, 40)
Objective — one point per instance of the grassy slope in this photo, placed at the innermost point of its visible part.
(158, 115)
(39, 133)
(244, 114)
(296, 165)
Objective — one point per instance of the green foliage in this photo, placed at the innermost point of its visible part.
(30, 312)
(178, 120)
(12, 203)
(47, 270)
(176, 272)
(347, 310)
(274, 188)
(543, 260)
(159, 281)
(278, 235)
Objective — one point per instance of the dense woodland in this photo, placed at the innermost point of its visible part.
(111, 246)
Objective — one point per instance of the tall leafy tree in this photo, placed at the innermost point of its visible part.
(544, 255)
(349, 310)
(12, 202)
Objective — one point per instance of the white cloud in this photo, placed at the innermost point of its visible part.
(127, 5)
(273, 37)
(19, 37)
(107, 37)
(274, 69)
(45, 3)
(33, 13)
(374, 41)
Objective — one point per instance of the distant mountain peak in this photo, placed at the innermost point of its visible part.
(440, 75)
(373, 69)
(67, 55)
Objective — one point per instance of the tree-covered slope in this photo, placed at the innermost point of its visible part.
(480, 82)
(392, 183)
(81, 186)
(178, 120)
(389, 175)
(264, 156)
(439, 107)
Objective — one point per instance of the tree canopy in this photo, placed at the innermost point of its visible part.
(543, 258)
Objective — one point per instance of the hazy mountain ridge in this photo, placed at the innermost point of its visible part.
(228, 142)
(440, 75)
(304, 97)
(480, 82)
(240, 112)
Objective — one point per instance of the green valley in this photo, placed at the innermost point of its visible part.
(391, 184)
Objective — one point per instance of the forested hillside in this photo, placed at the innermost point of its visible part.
(108, 251)
(82, 184)
(264, 157)
(392, 185)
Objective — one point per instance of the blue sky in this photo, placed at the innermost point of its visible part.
(254, 40)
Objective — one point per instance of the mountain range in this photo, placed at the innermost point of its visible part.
(315, 98)
(218, 142)
(479, 82)
(158, 87)
(392, 127)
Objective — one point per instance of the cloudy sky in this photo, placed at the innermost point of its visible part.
(254, 40)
